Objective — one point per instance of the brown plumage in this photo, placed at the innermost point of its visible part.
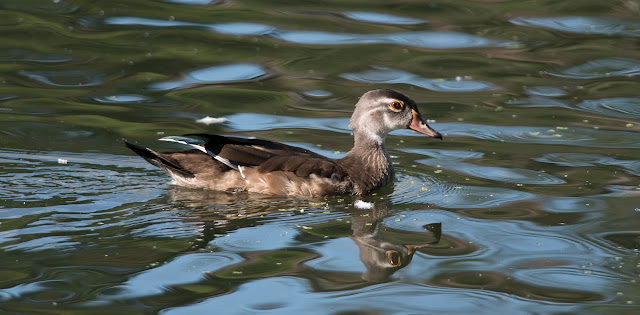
(255, 165)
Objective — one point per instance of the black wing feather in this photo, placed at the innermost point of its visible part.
(160, 160)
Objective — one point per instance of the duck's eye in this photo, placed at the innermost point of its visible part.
(393, 258)
(396, 106)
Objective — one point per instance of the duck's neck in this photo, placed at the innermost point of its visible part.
(368, 163)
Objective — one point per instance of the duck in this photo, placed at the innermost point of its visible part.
(236, 164)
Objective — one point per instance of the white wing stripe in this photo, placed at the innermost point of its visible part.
(199, 145)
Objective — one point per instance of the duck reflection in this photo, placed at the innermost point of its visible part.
(384, 250)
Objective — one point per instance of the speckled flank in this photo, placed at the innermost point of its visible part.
(275, 183)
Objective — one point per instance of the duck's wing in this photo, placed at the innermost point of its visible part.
(249, 152)
(166, 161)
(263, 155)
(269, 156)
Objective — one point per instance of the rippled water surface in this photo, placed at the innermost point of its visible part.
(531, 204)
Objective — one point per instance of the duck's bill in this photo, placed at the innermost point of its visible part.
(418, 124)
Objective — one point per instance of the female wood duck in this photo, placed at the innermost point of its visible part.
(262, 166)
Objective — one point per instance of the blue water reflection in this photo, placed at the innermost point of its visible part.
(17, 55)
(182, 270)
(452, 162)
(317, 93)
(216, 74)
(66, 78)
(415, 190)
(382, 18)
(338, 255)
(257, 238)
(292, 295)
(46, 242)
(575, 205)
(134, 99)
(548, 91)
(131, 20)
(602, 68)
(539, 101)
(583, 25)
(118, 99)
(424, 39)
(584, 160)
(122, 99)
(241, 28)
(223, 28)
(551, 135)
(624, 107)
(567, 277)
(432, 40)
(384, 75)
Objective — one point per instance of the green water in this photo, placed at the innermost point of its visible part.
(535, 185)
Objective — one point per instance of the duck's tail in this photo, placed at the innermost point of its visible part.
(160, 160)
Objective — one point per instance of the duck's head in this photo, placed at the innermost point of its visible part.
(379, 112)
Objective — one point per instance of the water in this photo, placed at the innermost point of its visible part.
(531, 204)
